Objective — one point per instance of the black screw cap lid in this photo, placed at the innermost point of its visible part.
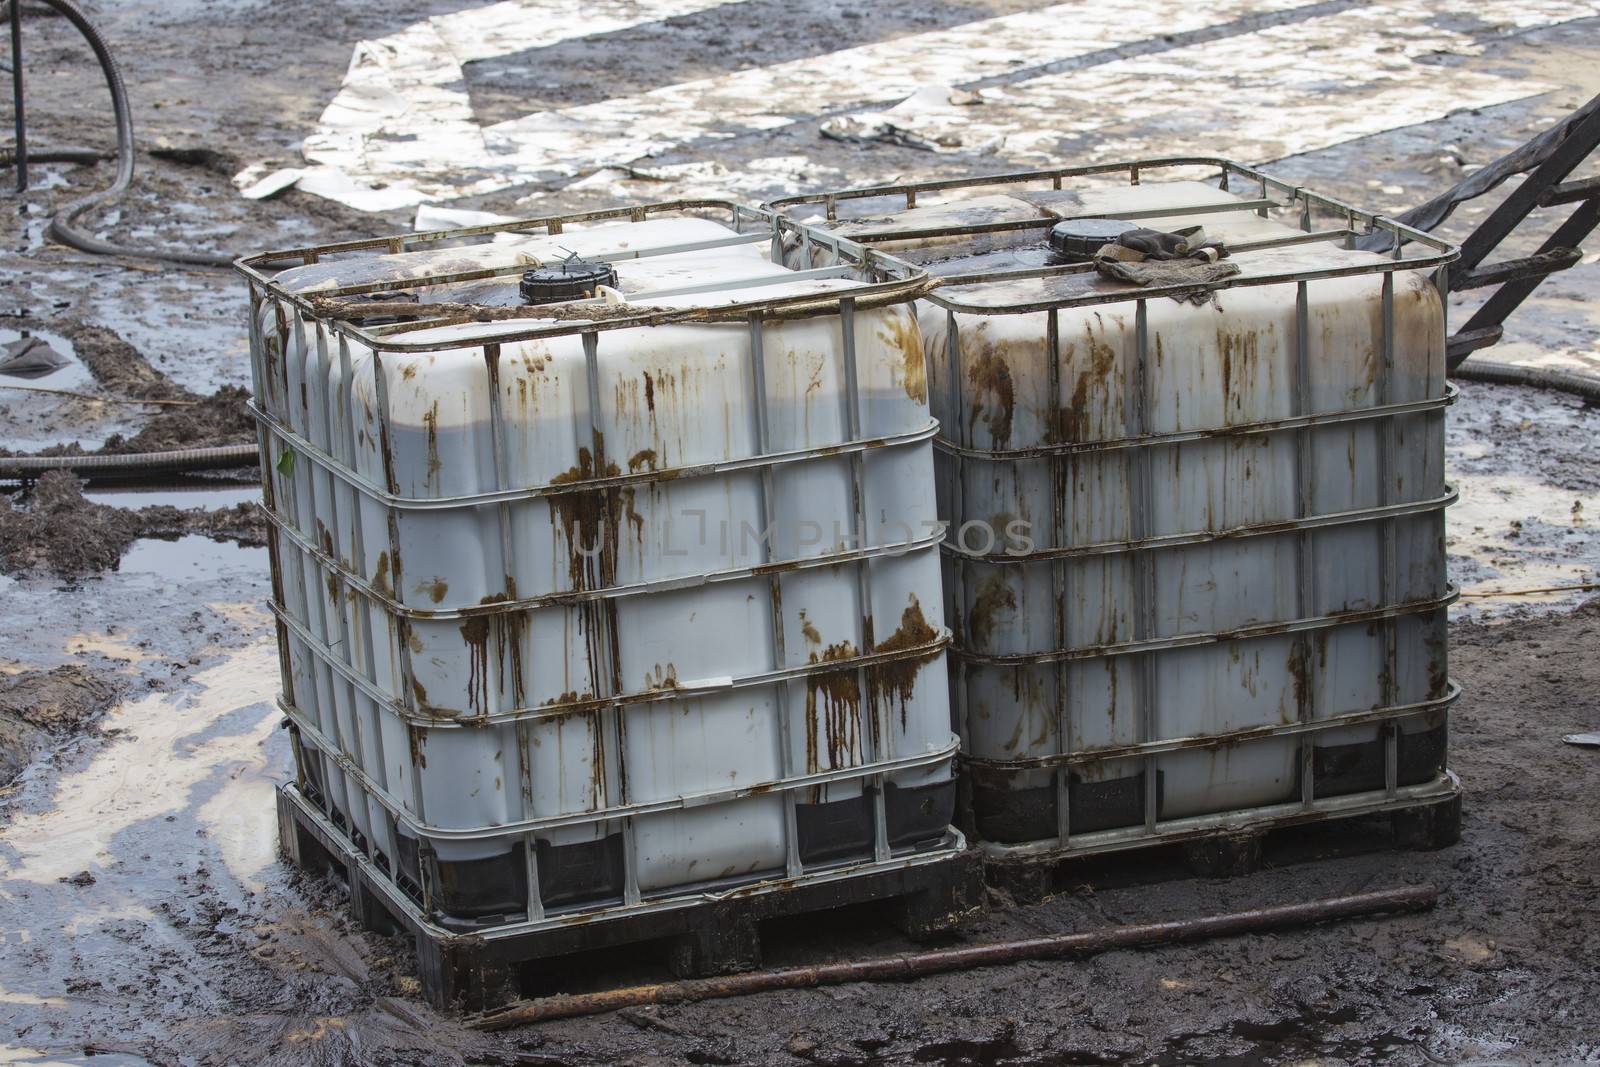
(571, 279)
(1080, 239)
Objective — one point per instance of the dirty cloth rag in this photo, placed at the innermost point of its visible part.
(30, 357)
(1153, 258)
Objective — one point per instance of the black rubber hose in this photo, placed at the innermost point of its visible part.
(132, 464)
(8, 156)
(1481, 370)
(61, 225)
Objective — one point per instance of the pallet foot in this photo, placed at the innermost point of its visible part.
(300, 846)
(1428, 828)
(1225, 855)
(366, 907)
(1024, 881)
(956, 896)
(724, 940)
(460, 975)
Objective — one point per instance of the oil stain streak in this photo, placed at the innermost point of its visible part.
(897, 680)
(901, 332)
(995, 400)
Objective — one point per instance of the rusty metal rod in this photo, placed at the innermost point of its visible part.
(920, 964)
(448, 313)
(20, 152)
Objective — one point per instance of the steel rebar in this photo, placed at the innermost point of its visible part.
(920, 964)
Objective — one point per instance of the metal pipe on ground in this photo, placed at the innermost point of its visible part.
(921, 964)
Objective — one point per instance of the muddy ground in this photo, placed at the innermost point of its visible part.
(144, 917)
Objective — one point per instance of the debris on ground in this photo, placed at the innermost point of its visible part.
(930, 120)
(30, 357)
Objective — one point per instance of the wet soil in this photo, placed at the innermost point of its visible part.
(117, 366)
(53, 530)
(38, 707)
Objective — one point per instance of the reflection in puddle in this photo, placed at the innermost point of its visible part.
(179, 496)
(32, 1058)
(192, 557)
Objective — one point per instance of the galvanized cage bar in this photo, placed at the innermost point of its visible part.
(1140, 507)
(792, 865)
(882, 744)
(1060, 479)
(1305, 566)
(955, 561)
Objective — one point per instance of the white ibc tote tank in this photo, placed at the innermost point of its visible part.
(623, 601)
(1197, 569)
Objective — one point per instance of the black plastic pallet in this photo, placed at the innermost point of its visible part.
(1424, 825)
(471, 972)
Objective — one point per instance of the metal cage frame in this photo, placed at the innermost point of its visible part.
(1429, 254)
(881, 282)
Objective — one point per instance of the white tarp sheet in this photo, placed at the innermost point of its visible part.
(402, 130)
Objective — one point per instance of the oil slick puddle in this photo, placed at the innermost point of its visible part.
(1529, 513)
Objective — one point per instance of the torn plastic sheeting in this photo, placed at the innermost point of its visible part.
(30, 357)
(1278, 91)
(415, 77)
(433, 217)
(929, 119)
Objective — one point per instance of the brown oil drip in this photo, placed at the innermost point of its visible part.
(1073, 422)
(897, 680)
(993, 597)
(430, 422)
(833, 711)
(586, 519)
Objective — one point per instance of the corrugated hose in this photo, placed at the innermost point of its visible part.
(1481, 370)
(133, 464)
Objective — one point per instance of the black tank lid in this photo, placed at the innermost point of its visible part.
(571, 279)
(1080, 239)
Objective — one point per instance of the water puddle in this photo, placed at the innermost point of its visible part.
(192, 558)
(96, 1058)
(73, 375)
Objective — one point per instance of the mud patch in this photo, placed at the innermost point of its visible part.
(119, 367)
(38, 707)
(53, 530)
